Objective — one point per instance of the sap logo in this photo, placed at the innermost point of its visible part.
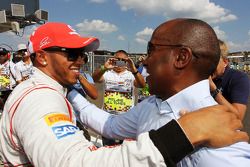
(63, 131)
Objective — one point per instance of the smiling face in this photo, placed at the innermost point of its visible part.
(61, 69)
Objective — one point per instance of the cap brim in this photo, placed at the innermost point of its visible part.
(88, 44)
(21, 50)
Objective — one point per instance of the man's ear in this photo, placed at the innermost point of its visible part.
(41, 58)
(226, 62)
(183, 57)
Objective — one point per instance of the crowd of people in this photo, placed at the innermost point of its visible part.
(191, 114)
(13, 69)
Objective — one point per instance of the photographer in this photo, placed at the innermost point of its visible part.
(120, 76)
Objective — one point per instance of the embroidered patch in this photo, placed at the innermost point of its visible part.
(64, 130)
(54, 118)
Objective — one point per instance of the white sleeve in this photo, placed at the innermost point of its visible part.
(12, 69)
(18, 73)
(58, 143)
(111, 126)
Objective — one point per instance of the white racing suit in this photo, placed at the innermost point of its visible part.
(38, 129)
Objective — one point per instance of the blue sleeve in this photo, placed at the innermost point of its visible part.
(89, 78)
(122, 126)
(111, 126)
(240, 89)
(140, 68)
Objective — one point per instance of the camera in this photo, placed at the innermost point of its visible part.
(120, 63)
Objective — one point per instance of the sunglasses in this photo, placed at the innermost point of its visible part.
(22, 52)
(72, 54)
(151, 47)
(2, 55)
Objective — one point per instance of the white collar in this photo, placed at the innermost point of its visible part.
(40, 77)
(121, 73)
(189, 98)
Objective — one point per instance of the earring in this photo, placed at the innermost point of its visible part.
(44, 63)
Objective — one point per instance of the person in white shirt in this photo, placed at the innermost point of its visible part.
(178, 68)
(7, 76)
(119, 85)
(38, 127)
(24, 68)
(119, 76)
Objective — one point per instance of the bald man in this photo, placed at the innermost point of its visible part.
(182, 54)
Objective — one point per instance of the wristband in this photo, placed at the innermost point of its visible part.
(134, 73)
(172, 142)
(103, 70)
(215, 92)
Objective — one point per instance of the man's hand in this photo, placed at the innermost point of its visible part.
(131, 65)
(211, 84)
(110, 63)
(214, 126)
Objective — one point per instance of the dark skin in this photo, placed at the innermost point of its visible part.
(3, 58)
(191, 51)
(174, 68)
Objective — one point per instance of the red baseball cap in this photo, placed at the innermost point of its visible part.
(61, 35)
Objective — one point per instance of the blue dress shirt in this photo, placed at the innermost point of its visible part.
(153, 113)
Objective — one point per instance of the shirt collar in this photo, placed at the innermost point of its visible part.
(26, 64)
(40, 77)
(189, 98)
(122, 73)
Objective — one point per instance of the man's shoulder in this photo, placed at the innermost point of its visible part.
(236, 74)
(148, 100)
(128, 74)
(41, 94)
(19, 64)
(109, 72)
(11, 63)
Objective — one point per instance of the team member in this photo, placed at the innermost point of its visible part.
(193, 53)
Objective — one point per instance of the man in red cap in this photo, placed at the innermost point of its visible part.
(38, 127)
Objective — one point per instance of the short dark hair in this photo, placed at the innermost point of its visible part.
(3, 51)
(32, 57)
(202, 39)
(85, 58)
(121, 51)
